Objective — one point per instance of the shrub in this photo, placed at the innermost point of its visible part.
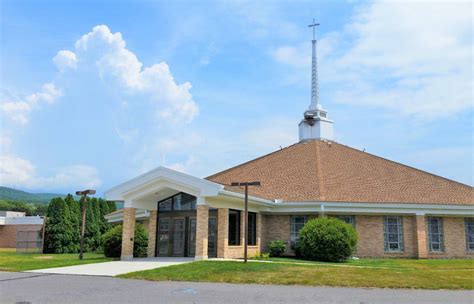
(276, 248)
(112, 242)
(327, 239)
(264, 256)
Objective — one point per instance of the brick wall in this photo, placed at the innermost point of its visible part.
(454, 239)
(128, 233)
(277, 227)
(371, 241)
(8, 233)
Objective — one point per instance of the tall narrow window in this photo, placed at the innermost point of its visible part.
(349, 219)
(234, 227)
(393, 233)
(297, 222)
(435, 234)
(469, 222)
(252, 229)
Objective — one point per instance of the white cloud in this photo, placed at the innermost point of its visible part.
(414, 58)
(65, 60)
(18, 172)
(19, 110)
(108, 52)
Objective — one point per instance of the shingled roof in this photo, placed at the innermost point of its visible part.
(321, 171)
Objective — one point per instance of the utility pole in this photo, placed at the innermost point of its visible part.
(83, 195)
(246, 212)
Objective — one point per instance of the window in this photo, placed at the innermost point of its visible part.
(252, 229)
(469, 222)
(184, 201)
(435, 234)
(165, 205)
(297, 222)
(234, 227)
(393, 233)
(178, 202)
(349, 219)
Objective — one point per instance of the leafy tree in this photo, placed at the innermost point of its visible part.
(327, 239)
(112, 241)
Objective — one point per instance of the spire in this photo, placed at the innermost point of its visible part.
(314, 71)
(316, 123)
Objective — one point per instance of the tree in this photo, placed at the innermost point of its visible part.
(75, 210)
(59, 232)
(112, 241)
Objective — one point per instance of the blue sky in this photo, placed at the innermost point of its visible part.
(96, 92)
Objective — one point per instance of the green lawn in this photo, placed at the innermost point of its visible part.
(385, 273)
(11, 261)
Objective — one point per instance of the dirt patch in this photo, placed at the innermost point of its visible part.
(44, 257)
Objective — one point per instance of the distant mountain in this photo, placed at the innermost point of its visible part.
(9, 194)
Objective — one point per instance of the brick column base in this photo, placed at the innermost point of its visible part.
(152, 234)
(128, 233)
(420, 233)
(202, 231)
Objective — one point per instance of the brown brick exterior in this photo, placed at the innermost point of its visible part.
(421, 249)
(454, 239)
(202, 230)
(151, 227)
(371, 240)
(8, 233)
(235, 252)
(128, 233)
(277, 227)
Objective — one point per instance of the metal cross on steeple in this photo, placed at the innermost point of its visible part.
(314, 71)
(314, 25)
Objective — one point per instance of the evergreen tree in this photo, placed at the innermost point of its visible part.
(75, 210)
(59, 232)
(112, 206)
(104, 210)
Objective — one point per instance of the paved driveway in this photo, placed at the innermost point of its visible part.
(111, 269)
(51, 288)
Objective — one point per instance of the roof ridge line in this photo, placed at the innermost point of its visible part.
(248, 162)
(322, 189)
(407, 166)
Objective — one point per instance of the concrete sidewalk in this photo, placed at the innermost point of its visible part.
(111, 269)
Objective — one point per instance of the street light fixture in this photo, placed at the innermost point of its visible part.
(83, 195)
(246, 213)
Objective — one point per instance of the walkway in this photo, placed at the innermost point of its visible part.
(50, 288)
(111, 269)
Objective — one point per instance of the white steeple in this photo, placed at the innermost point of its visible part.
(315, 124)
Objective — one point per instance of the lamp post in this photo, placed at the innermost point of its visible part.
(246, 212)
(83, 195)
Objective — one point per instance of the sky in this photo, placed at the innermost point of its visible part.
(93, 93)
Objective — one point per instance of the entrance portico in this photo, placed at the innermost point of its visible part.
(188, 216)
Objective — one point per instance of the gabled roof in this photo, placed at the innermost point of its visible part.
(328, 171)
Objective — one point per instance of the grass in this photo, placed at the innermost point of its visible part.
(11, 261)
(382, 273)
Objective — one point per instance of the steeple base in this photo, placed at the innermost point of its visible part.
(316, 128)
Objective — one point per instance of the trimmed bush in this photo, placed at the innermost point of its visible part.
(112, 242)
(276, 248)
(327, 239)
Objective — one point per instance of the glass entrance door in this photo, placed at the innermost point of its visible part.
(192, 237)
(163, 236)
(178, 237)
(212, 238)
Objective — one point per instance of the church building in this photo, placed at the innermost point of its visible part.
(397, 210)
